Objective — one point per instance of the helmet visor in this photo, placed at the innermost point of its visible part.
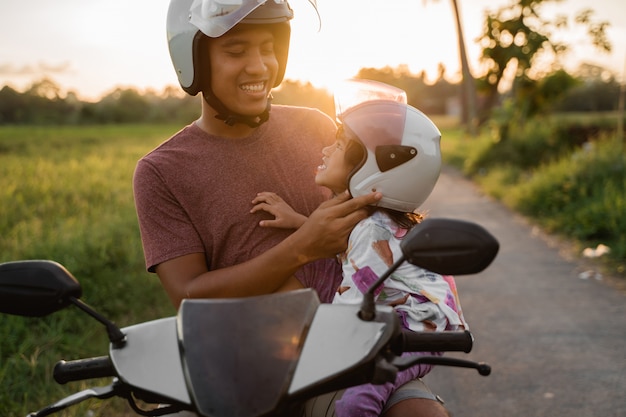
(372, 111)
(376, 123)
(354, 92)
(216, 17)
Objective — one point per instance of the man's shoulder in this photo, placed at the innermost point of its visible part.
(168, 153)
(191, 130)
(180, 138)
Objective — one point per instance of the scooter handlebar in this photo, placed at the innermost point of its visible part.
(448, 341)
(81, 369)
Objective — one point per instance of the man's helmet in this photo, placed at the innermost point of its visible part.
(190, 22)
(402, 158)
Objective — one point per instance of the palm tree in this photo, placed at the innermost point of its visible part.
(469, 87)
(468, 95)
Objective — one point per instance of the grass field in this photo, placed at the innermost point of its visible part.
(66, 195)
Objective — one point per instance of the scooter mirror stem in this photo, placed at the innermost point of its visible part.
(116, 336)
(368, 305)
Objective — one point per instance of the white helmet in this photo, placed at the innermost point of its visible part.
(402, 157)
(188, 21)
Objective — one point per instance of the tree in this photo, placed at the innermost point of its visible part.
(468, 95)
(11, 106)
(517, 35)
(468, 83)
(304, 94)
(45, 88)
(124, 105)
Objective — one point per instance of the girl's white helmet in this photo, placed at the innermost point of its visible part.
(402, 157)
(189, 20)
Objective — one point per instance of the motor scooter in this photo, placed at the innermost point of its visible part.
(255, 356)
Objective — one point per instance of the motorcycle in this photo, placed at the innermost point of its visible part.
(255, 356)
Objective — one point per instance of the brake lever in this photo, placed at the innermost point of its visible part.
(95, 392)
(403, 363)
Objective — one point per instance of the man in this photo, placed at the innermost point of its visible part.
(194, 192)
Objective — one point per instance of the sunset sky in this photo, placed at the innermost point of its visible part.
(93, 46)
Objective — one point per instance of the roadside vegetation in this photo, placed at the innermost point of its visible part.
(565, 172)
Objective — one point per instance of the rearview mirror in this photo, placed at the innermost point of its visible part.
(450, 247)
(36, 288)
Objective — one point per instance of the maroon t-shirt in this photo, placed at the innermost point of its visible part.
(193, 193)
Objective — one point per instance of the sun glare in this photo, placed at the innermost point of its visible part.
(372, 36)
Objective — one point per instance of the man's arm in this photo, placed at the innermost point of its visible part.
(322, 235)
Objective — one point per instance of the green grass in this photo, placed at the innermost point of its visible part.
(567, 173)
(66, 195)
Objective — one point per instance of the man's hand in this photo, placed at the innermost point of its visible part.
(326, 231)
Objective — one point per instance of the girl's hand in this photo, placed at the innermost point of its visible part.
(285, 216)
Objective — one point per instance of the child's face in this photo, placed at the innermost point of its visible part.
(243, 69)
(334, 171)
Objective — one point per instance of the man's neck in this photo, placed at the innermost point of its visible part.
(216, 127)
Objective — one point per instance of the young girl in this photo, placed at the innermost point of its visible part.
(390, 147)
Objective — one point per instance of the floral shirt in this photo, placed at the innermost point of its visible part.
(424, 300)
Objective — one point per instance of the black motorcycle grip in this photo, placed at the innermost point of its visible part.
(78, 370)
(448, 341)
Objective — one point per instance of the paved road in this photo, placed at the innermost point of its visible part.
(556, 342)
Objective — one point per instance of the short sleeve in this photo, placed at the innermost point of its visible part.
(166, 230)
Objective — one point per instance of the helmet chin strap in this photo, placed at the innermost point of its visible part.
(231, 118)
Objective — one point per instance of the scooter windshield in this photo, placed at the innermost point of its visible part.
(240, 355)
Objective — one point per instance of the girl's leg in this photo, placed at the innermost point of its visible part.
(413, 399)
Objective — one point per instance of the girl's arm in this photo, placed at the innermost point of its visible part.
(285, 216)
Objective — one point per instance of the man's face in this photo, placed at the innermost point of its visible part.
(243, 69)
